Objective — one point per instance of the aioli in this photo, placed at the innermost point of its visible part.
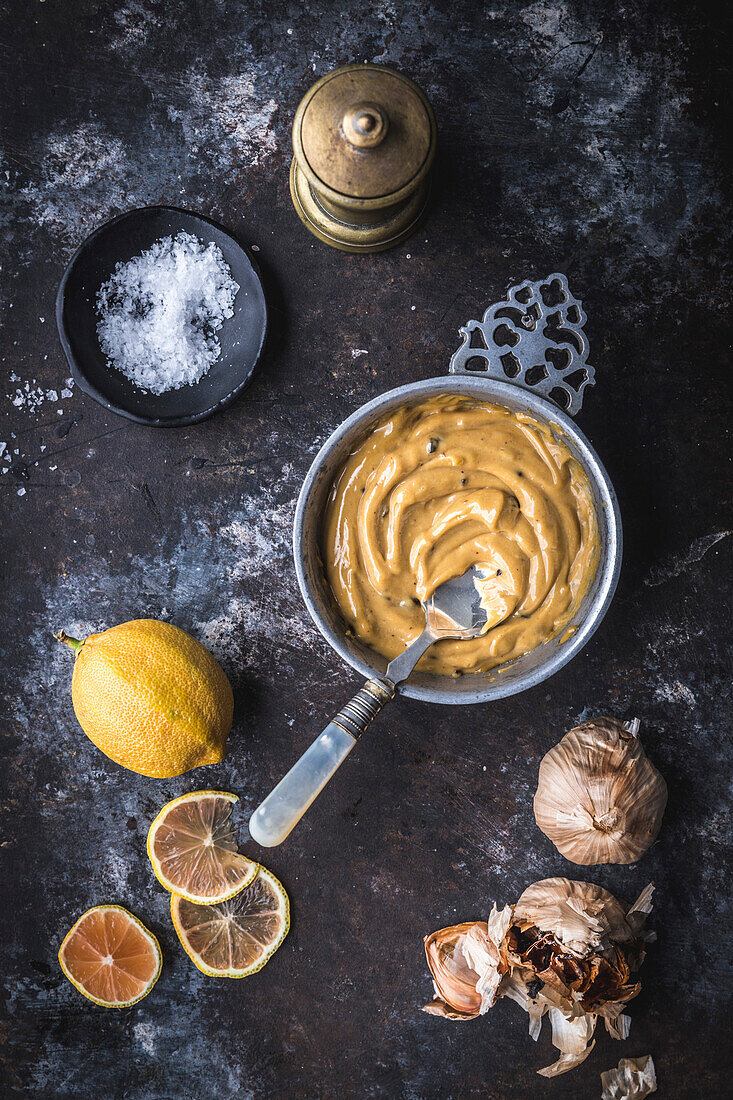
(448, 483)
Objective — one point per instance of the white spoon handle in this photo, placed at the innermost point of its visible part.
(283, 808)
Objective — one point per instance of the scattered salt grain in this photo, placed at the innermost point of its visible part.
(21, 492)
(30, 396)
(160, 311)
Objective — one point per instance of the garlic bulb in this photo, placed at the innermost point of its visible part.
(566, 949)
(599, 798)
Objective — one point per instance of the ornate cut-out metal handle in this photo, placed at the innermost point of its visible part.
(534, 338)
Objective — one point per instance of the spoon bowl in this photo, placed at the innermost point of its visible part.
(455, 609)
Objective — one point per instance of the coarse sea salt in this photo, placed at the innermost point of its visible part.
(160, 312)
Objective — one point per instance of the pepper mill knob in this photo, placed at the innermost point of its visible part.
(365, 125)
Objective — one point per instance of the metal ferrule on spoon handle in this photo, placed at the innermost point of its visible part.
(283, 808)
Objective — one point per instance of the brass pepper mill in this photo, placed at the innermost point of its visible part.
(363, 141)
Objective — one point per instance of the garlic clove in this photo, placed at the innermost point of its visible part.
(453, 978)
(599, 798)
(467, 964)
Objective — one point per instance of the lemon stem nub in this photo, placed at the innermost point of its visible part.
(72, 643)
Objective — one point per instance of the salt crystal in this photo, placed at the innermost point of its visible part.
(21, 492)
(66, 392)
(160, 311)
(51, 395)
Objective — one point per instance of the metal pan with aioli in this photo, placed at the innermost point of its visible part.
(472, 498)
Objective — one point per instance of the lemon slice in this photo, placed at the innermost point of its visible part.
(238, 936)
(111, 957)
(193, 849)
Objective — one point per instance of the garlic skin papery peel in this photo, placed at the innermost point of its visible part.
(566, 948)
(633, 1079)
(457, 956)
(599, 798)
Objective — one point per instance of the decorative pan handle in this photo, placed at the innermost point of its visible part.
(533, 338)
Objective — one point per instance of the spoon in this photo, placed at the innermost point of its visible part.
(454, 610)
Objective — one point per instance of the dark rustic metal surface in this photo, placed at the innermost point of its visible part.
(578, 136)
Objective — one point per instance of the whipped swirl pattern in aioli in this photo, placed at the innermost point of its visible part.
(448, 483)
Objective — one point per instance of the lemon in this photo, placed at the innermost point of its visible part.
(193, 849)
(151, 697)
(111, 957)
(237, 937)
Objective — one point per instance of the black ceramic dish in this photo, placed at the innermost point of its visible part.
(241, 337)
